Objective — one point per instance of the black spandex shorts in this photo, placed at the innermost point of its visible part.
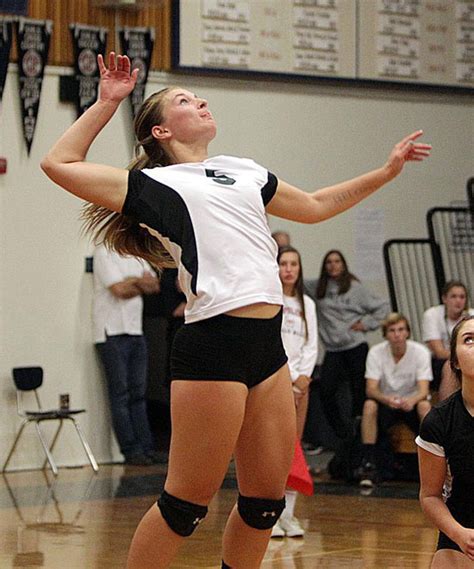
(445, 543)
(228, 348)
(462, 510)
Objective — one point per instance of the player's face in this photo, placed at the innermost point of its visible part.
(455, 300)
(289, 268)
(397, 334)
(465, 349)
(334, 265)
(187, 117)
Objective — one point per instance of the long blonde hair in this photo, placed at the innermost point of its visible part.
(119, 232)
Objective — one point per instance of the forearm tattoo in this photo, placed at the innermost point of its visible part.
(348, 195)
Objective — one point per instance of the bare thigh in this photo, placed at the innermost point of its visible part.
(206, 420)
(265, 447)
(445, 558)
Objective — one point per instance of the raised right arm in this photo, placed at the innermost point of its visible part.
(65, 163)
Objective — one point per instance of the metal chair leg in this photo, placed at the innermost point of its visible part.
(15, 442)
(49, 456)
(86, 446)
(53, 442)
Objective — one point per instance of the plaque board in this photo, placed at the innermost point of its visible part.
(417, 42)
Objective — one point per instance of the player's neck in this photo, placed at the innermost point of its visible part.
(182, 153)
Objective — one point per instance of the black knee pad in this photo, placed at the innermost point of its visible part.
(260, 513)
(181, 516)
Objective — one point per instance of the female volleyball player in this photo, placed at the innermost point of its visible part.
(447, 438)
(231, 392)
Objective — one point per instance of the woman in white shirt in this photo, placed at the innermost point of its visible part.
(299, 335)
(438, 323)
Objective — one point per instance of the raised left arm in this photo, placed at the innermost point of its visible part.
(294, 204)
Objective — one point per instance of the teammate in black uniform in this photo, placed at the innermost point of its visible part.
(447, 439)
(231, 392)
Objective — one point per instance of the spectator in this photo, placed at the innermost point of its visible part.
(282, 238)
(447, 438)
(398, 374)
(299, 335)
(119, 283)
(346, 311)
(439, 321)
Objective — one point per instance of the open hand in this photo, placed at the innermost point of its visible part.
(466, 543)
(116, 82)
(407, 150)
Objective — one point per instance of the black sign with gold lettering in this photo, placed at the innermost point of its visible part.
(5, 45)
(138, 43)
(33, 46)
(88, 42)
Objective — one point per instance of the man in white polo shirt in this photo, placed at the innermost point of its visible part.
(398, 374)
(119, 283)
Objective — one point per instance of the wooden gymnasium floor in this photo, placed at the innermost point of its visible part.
(86, 521)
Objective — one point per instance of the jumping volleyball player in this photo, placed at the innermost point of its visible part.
(231, 391)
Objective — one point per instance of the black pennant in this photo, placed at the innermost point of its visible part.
(88, 42)
(33, 46)
(137, 44)
(6, 30)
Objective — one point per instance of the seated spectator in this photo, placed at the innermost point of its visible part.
(439, 321)
(398, 375)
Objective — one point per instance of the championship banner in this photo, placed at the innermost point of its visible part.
(137, 44)
(88, 42)
(33, 45)
(6, 30)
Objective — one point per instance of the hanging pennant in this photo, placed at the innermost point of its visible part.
(6, 30)
(137, 44)
(33, 38)
(88, 42)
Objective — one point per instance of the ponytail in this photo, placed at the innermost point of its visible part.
(119, 232)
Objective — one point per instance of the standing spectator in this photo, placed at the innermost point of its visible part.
(163, 314)
(346, 311)
(447, 438)
(439, 321)
(119, 283)
(282, 238)
(398, 374)
(299, 335)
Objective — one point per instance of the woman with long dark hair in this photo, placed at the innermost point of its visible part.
(231, 390)
(447, 440)
(346, 311)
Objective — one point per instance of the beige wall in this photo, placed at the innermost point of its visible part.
(309, 135)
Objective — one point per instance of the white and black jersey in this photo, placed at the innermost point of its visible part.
(448, 430)
(210, 216)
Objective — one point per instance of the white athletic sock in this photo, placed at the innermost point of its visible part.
(290, 496)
